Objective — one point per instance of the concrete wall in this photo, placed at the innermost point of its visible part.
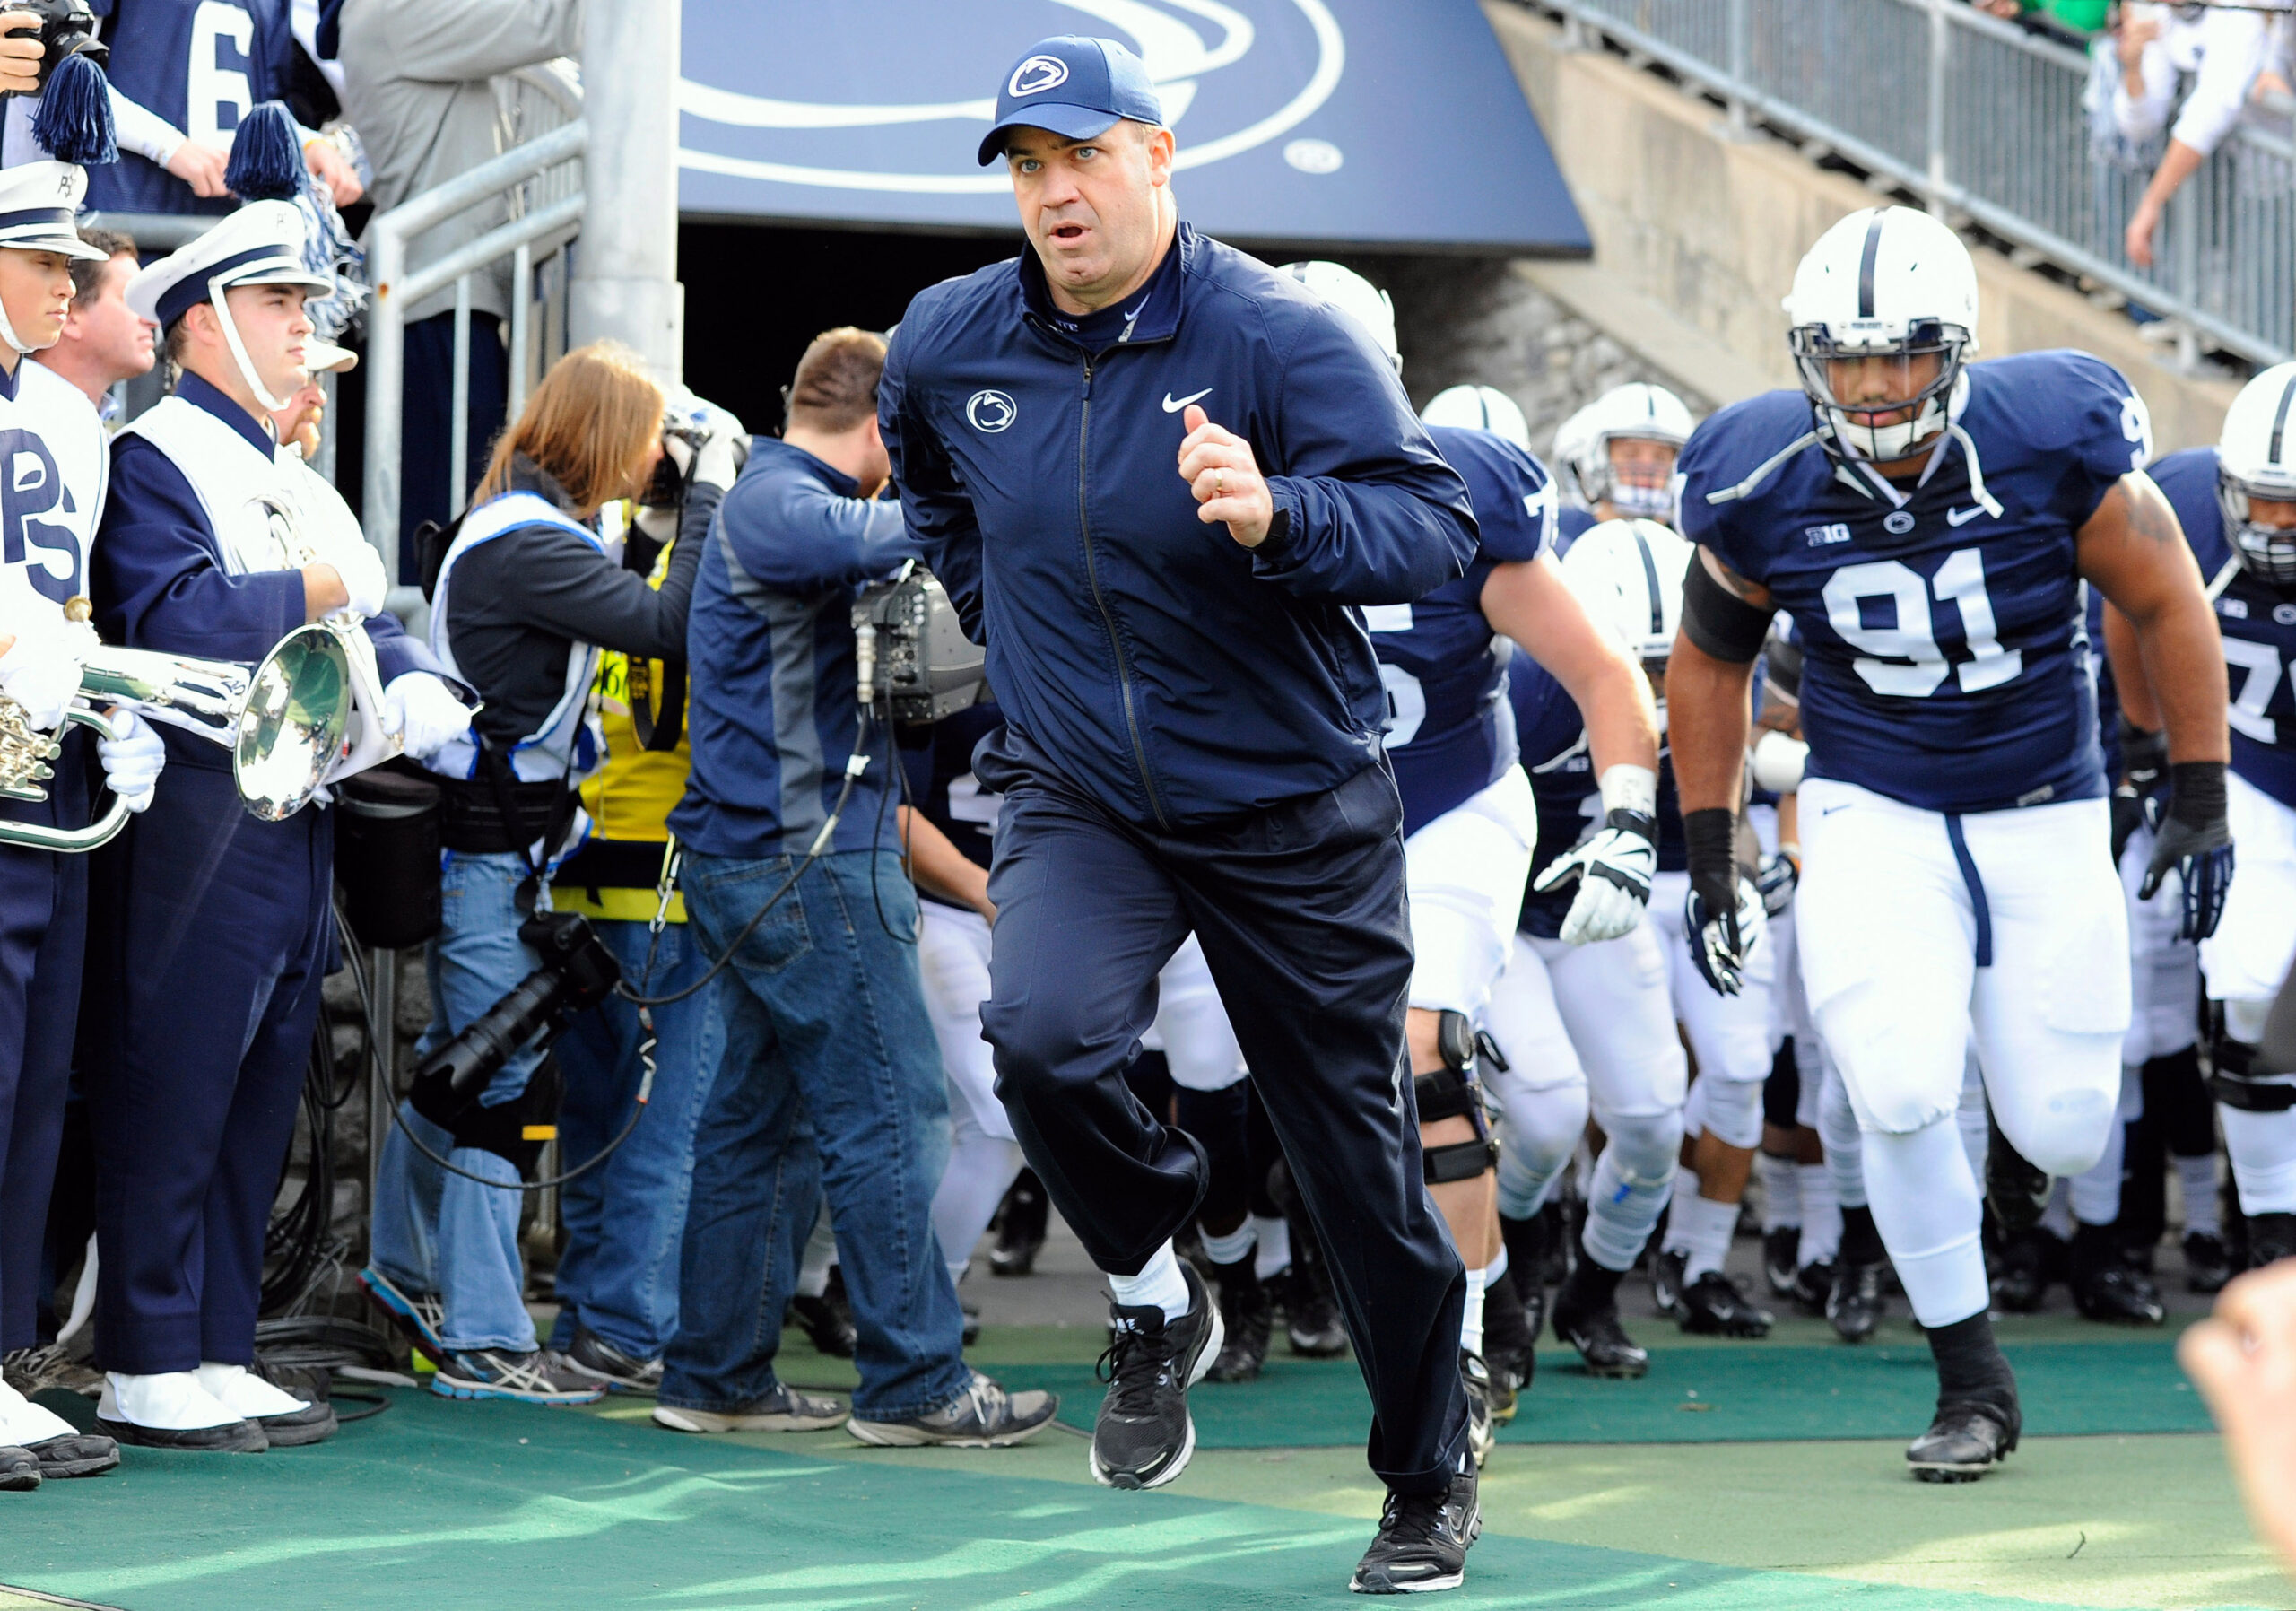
(1696, 237)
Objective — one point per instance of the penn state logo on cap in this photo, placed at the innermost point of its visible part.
(37, 204)
(261, 244)
(1074, 87)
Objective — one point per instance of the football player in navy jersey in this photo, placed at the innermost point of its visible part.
(1929, 524)
(1615, 457)
(2237, 502)
(1469, 819)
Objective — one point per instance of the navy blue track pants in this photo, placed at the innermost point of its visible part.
(210, 943)
(43, 921)
(1301, 912)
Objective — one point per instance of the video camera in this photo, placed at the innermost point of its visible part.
(913, 650)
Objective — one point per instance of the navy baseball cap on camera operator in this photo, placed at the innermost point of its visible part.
(1075, 88)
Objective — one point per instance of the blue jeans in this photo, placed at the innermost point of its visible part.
(618, 1276)
(825, 1021)
(440, 1232)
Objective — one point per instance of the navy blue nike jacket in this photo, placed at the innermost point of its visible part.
(1173, 674)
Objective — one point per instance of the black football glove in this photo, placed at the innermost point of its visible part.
(2143, 774)
(2193, 838)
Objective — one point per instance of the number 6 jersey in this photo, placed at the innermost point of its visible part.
(1947, 665)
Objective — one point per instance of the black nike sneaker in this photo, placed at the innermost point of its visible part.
(2208, 1266)
(1144, 1436)
(1713, 1306)
(1247, 1315)
(1964, 1442)
(1780, 1253)
(1854, 1302)
(1666, 1282)
(1422, 1541)
(1585, 1316)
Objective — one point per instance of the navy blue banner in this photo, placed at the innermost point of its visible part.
(1375, 123)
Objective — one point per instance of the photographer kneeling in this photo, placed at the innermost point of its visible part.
(824, 1009)
(525, 599)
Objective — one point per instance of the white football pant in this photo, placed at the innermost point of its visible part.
(2246, 960)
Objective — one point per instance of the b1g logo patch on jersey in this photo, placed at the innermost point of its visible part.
(1819, 536)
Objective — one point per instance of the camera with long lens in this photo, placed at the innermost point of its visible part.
(576, 972)
(67, 28)
(914, 649)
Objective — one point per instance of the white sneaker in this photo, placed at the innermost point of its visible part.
(170, 1410)
(286, 1420)
(237, 1388)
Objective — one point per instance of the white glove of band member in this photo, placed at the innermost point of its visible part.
(362, 570)
(42, 672)
(1613, 865)
(132, 761)
(718, 459)
(424, 713)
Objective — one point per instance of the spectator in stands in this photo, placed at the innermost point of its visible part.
(414, 84)
(2073, 18)
(194, 68)
(2225, 51)
(103, 342)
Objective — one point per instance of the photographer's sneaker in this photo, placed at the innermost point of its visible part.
(592, 1355)
(784, 1409)
(419, 1317)
(982, 1417)
(1423, 1542)
(1144, 1436)
(537, 1376)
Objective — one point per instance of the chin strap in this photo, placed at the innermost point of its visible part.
(8, 333)
(231, 339)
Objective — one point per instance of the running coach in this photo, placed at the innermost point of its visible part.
(1192, 742)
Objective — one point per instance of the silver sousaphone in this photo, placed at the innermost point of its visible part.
(285, 722)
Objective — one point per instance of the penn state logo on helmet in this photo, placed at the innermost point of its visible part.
(1037, 74)
(991, 411)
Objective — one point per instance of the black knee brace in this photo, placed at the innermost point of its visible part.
(2235, 1087)
(1454, 1092)
(515, 1131)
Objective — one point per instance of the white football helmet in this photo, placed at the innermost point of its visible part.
(1478, 408)
(1891, 283)
(1342, 288)
(1629, 574)
(2256, 459)
(1637, 412)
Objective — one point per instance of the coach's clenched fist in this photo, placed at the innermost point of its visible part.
(1218, 467)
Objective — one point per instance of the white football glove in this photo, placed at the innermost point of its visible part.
(424, 713)
(1615, 864)
(706, 442)
(132, 761)
(42, 672)
(362, 570)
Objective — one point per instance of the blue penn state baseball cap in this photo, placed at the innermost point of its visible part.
(1075, 88)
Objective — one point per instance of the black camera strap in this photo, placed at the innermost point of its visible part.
(496, 765)
(660, 735)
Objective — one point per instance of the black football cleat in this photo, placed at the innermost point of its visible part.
(1423, 1542)
(1666, 1282)
(1713, 1306)
(2272, 1237)
(2029, 1260)
(827, 1321)
(1020, 1223)
(1594, 1329)
(1964, 1442)
(1482, 1426)
(1813, 1284)
(2208, 1266)
(1780, 1249)
(1247, 1315)
(1312, 1324)
(1507, 1344)
(2105, 1287)
(1854, 1302)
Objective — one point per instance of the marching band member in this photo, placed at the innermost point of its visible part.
(212, 932)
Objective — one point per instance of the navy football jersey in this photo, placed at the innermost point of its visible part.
(1946, 662)
(1450, 732)
(2258, 621)
(202, 64)
(1570, 524)
(938, 761)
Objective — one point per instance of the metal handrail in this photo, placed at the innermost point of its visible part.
(1717, 52)
(388, 237)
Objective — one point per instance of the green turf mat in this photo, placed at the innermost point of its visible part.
(1751, 1392)
(448, 1506)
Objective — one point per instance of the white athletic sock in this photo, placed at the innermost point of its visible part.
(1275, 1234)
(2197, 1176)
(2263, 1150)
(981, 1168)
(1228, 1248)
(1925, 1204)
(821, 1253)
(2056, 1219)
(1706, 1226)
(1621, 1212)
(1471, 1318)
(1159, 1281)
(2094, 1194)
(1677, 1231)
(1497, 1266)
(1820, 1215)
(1781, 1191)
